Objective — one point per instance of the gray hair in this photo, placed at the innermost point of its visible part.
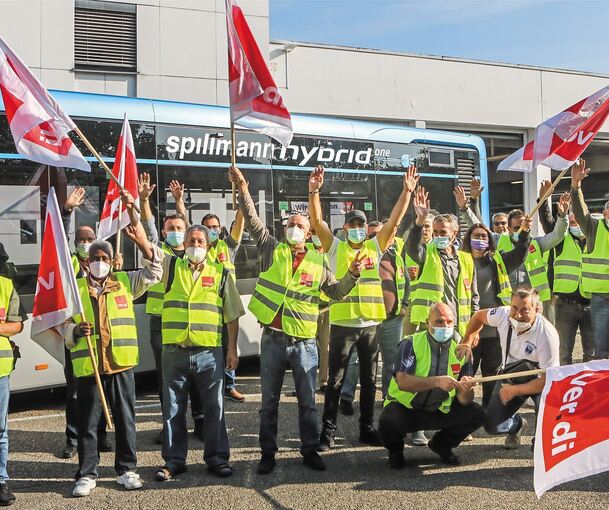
(524, 292)
(606, 205)
(103, 245)
(429, 218)
(197, 228)
(448, 218)
(496, 215)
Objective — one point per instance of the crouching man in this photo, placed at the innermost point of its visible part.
(428, 375)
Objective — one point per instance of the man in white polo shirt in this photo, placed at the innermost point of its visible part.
(525, 334)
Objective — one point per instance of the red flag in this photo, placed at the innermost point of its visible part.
(255, 101)
(572, 436)
(39, 126)
(560, 141)
(125, 170)
(57, 298)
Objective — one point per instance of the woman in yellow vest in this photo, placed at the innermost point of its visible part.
(494, 289)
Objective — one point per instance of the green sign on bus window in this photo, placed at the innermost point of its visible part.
(283, 206)
(367, 206)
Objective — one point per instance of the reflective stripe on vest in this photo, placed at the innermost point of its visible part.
(430, 288)
(297, 295)
(595, 265)
(422, 352)
(122, 325)
(156, 293)
(6, 351)
(505, 289)
(192, 309)
(365, 300)
(568, 268)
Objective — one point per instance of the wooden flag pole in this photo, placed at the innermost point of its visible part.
(233, 161)
(501, 377)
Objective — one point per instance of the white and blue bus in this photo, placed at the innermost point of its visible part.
(191, 143)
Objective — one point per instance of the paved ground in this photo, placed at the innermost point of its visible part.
(357, 477)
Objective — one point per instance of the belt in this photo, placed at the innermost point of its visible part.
(287, 339)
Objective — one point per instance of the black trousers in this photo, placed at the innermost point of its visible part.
(503, 418)
(487, 357)
(156, 342)
(342, 342)
(72, 407)
(120, 394)
(397, 420)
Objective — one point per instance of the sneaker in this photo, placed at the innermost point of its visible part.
(83, 487)
(346, 407)
(234, 395)
(314, 461)
(69, 450)
(512, 441)
(103, 445)
(418, 438)
(130, 480)
(445, 453)
(370, 436)
(7, 498)
(326, 440)
(267, 464)
(396, 460)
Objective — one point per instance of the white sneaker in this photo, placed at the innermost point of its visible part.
(418, 438)
(130, 480)
(83, 487)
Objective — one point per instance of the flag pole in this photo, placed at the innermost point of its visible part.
(233, 161)
(501, 377)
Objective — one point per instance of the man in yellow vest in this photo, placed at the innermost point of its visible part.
(109, 320)
(200, 297)
(286, 303)
(431, 389)
(595, 262)
(12, 316)
(354, 320)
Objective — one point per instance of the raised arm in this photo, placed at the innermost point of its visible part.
(145, 190)
(135, 231)
(409, 184)
(238, 227)
(549, 241)
(177, 191)
(475, 191)
(74, 200)
(414, 248)
(578, 173)
(322, 230)
(546, 218)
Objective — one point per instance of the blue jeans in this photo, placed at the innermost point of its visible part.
(278, 352)
(389, 334)
(599, 311)
(204, 368)
(5, 392)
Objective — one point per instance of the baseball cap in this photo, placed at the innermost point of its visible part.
(356, 214)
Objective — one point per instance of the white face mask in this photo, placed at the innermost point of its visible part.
(99, 269)
(196, 254)
(295, 235)
(520, 327)
(82, 250)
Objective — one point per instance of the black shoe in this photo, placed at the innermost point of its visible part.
(314, 461)
(445, 453)
(346, 407)
(7, 498)
(396, 460)
(69, 450)
(370, 436)
(221, 470)
(326, 440)
(104, 445)
(198, 430)
(267, 464)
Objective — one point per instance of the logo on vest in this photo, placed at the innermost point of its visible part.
(2, 314)
(468, 283)
(368, 263)
(207, 281)
(222, 257)
(121, 302)
(456, 368)
(532, 249)
(306, 279)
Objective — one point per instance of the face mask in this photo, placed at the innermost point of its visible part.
(576, 231)
(356, 235)
(99, 269)
(441, 242)
(316, 241)
(443, 334)
(196, 254)
(174, 238)
(295, 235)
(479, 244)
(520, 327)
(515, 236)
(213, 235)
(82, 250)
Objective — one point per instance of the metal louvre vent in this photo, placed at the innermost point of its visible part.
(466, 171)
(105, 39)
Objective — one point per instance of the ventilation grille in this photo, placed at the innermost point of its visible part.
(105, 39)
(466, 171)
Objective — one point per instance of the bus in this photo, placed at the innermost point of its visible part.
(364, 164)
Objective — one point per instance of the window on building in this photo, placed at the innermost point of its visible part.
(105, 36)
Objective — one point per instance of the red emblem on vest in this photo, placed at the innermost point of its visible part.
(532, 248)
(222, 257)
(456, 368)
(121, 302)
(2, 314)
(207, 281)
(467, 282)
(306, 279)
(368, 263)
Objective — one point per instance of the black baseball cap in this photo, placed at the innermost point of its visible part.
(356, 214)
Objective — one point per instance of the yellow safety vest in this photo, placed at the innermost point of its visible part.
(430, 287)
(568, 268)
(505, 288)
(422, 352)
(221, 254)
(595, 265)
(365, 299)
(400, 270)
(123, 328)
(192, 309)
(156, 293)
(6, 351)
(296, 295)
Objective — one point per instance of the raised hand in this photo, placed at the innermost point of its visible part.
(544, 188)
(411, 179)
(526, 223)
(76, 198)
(144, 187)
(177, 190)
(460, 197)
(563, 204)
(579, 172)
(127, 199)
(356, 266)
(476, 189)
(316, 180)
(421, 203)
(117, 262)
(235, 175)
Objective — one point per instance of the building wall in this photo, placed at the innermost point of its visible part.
(181, 47)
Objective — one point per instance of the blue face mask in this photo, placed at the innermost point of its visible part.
(356, 235)
(213, 235)
(442, 334)
(174, 238)
(441, 242)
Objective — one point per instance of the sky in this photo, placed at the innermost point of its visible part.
(567, 34)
